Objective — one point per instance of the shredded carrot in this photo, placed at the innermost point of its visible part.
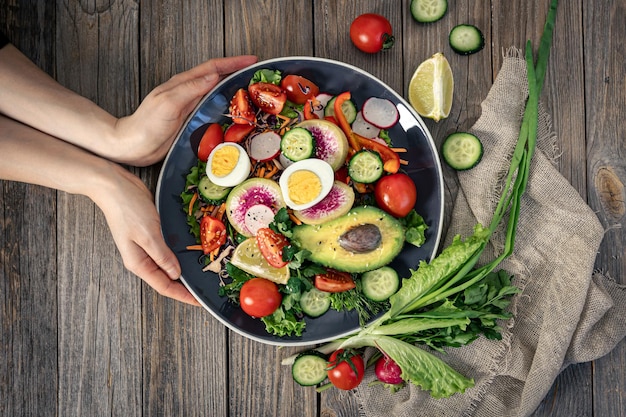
(399, 150)
(404, 162)
(294, 219)
(194, 247)
(272, 171)
(360, 187)
(261, 172)
(220, 211)
(192, 202)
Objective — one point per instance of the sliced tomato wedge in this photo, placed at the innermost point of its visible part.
(212, 234)
(334, 281)
(268, 97)
(241, 109)
(212, 137)
(271, 245)
(237, 132)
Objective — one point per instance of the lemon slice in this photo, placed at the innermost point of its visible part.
(248, 257)
(431, 88)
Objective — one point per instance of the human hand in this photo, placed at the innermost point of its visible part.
(129, 210)
(145, 136)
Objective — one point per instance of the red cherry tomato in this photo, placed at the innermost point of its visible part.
(237, 132)
(396, 194)
(299, 89)
(259, 297)
(334, 281)
(212, 234)
(212, 137)
(271, 245)
(371, 33)
(241, 109)
(268, 97)
(345, 369)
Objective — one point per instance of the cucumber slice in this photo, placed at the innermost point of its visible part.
(466, 39)
(297, 144)
(428, 11)
(210, 192)
(380, 284)
(365, 167)
(462, 150)
(348, 108)
(309, 368)
(314, 302)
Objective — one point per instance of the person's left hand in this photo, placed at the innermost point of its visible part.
(144, 137)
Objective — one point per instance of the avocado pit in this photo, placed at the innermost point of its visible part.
(363, 238)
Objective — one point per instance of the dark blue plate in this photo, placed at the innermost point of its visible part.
(332, 77)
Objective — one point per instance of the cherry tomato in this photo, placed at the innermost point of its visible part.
(371, 33)
(299, 89)
(241, 109)
(396, 194)
(271, 245)
(212, 234)
(268, 97)
(345, 369)
(237, 132)
(212, 137)
(334, 281)
(259, 297)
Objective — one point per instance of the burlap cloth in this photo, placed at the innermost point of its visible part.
(566, 313)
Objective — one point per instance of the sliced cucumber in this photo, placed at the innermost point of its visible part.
(466, 39)
(348, 108)
(380, 284)
(428, 11)
(314, 302)
(365, 167)
(309, 368)
(297, 144)
(462, 150)
(212, 193)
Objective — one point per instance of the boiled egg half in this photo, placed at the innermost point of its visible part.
(228, 165)
(305, 183)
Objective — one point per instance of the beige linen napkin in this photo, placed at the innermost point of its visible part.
(565, 314)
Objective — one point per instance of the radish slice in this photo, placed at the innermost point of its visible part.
(363, 128)
(258, 216)
(380, 112)
(264, 146)
(323, 98)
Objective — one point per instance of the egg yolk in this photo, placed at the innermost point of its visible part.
(303, 186)
(224, 160)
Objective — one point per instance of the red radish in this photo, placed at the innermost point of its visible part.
(264, 146)
(323, 99)
(387, 371)
(257, 217)
(361, 127)
(380, 112)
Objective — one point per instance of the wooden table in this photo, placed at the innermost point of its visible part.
(83, 337)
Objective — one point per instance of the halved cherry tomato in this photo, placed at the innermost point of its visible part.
(334, 281)
(299, 89)
(212, 137)
(342, 174)
(396, 194)
(371, 32)
(212, 234)
(345, 369)
(259, 297)
(271, 245)
(237, 133)
(241, 109)
(268, 97)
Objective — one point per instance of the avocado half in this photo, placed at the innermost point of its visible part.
(365, 251)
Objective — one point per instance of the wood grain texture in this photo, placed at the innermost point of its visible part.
(82, 336)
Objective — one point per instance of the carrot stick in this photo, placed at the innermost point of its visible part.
(295, 219)
(192, 202)
(194, 247)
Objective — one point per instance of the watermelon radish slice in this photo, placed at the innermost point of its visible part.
(337, 203)
(380, 112)
(250, 193)
(363, 128)
(323, 99)
(264, 146)
(258, 216)
(331, 144)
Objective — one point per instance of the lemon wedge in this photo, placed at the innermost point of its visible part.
(431, 88)
(248, 257)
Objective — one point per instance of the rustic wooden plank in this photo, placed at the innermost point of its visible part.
(605, 97)
(28, 306)
(185, 348)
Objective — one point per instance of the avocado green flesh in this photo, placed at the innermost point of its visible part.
(323, 240)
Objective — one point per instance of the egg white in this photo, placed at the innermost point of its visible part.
(239, 173)
(320, 168)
